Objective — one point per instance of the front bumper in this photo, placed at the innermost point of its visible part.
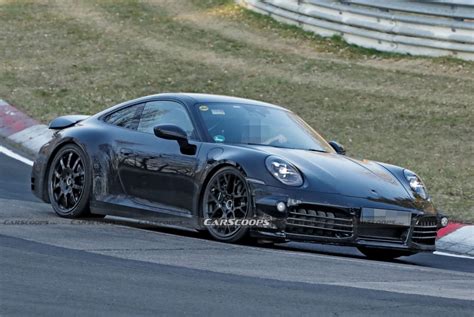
(336, 219)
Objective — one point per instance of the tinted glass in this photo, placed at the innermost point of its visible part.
(126, 118)
(165, 112)
(259, 125)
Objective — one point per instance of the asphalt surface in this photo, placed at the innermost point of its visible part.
(53, 266)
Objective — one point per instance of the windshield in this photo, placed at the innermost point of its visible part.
(259, 125)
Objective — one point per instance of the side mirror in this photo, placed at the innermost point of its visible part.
(338, 147)
(173, 132)
(170, 132)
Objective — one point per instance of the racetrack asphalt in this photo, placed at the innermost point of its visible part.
(50, 265)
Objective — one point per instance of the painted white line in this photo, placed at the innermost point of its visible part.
(453, 255)
(15, 156)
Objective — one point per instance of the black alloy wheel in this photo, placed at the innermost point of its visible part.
(69, 182)
(226, 196)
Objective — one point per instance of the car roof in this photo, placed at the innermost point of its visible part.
(209, 98)
(190, 98)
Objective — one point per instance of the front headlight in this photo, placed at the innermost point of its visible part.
(416, 184)
(284, 171)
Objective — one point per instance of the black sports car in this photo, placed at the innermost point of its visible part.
(235, 167)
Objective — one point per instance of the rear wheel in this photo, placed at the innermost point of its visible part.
(69, 183)
(381, 254)
(226, 197)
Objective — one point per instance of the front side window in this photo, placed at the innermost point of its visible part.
(125, 118)
(165, 112)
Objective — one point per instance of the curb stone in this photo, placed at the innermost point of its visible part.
(460, 241)
(19, 128)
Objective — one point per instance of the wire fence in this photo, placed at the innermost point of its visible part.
(429, 27)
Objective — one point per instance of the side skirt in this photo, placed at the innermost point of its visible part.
(126, 208)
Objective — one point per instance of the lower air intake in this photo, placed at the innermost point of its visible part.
(320, 222)
(425, 231)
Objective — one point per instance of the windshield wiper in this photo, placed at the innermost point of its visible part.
(284, 147)
(260, 144)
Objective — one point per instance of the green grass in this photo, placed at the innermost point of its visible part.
(82, 56)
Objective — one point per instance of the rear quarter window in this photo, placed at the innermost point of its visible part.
(126, 118)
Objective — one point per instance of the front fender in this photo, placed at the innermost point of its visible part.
(421, 204)
(249, 161)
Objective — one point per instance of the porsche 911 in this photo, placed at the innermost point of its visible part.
(235, 168)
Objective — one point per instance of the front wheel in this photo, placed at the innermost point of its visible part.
(382, 254)
(69, 182)
(226, 198)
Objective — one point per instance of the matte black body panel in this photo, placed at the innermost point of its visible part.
(139, 175)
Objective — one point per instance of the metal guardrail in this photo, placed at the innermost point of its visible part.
(423, 27)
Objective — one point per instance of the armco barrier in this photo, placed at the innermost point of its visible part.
(431, 27)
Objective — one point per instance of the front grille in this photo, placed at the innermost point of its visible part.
(320, 221)
(383, 232)
(425, 231)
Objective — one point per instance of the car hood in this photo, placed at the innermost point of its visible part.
(339, 174)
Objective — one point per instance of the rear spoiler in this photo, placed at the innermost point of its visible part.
(66, 121)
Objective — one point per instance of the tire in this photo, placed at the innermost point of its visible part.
(221, 203)
(382, 254)
(69, 183)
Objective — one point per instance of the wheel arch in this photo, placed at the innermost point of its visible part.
(211, 170)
